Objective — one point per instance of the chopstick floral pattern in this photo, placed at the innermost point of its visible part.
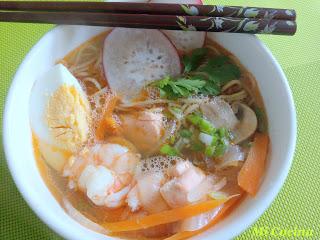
(240, 12)
(225, 24)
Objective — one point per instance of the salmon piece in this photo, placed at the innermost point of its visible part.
(176, 191)
(146, 194)
(144, 129)
(179, 169)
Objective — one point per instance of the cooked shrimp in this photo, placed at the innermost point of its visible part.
(104, 172)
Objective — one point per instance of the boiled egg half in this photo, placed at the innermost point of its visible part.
(59, 115)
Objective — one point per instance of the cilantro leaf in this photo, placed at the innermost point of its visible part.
(206, 79)
(191, 62)
(211, 89)
(218, 61)
(182, 87)
(222, 74)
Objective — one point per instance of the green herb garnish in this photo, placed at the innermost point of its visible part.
(199, 78)
(175, 88)
(220, 75)
(192, 62)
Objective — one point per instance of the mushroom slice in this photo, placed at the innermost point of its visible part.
(219, 113)
(247, 122)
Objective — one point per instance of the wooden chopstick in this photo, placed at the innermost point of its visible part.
(192, 23)
(155, 16)
(153, 9)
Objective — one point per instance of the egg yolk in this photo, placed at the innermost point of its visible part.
(68, 117)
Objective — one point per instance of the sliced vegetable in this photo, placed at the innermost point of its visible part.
(164, 217)
(227, 207)
(232, 157)
(247, 122)
(186, 41)
(137, 57)
(219, 113)
(252, 171)
(168, 150)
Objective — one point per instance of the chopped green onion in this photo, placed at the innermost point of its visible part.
(223, 132)
(210, 151)
(185, 133)
(197, 147)
(206, 127)
(215, 139)
(220, 149)
(203, 124)
(168, 150)
(172, 139)
(194, 119)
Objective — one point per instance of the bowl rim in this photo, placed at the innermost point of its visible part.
(59, 228)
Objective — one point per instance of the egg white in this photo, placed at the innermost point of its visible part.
(42, 89)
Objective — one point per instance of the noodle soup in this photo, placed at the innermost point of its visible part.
(140, 138)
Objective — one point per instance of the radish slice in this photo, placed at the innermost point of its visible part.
(133, 58)
(184, 41)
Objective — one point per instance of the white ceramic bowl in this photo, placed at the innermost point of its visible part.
(59, 41)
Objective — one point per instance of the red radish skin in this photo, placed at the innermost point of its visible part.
(132, 58)
(184, 41)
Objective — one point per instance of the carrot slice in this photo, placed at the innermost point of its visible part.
(252, 171)
(168, 216)
(228, 206)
